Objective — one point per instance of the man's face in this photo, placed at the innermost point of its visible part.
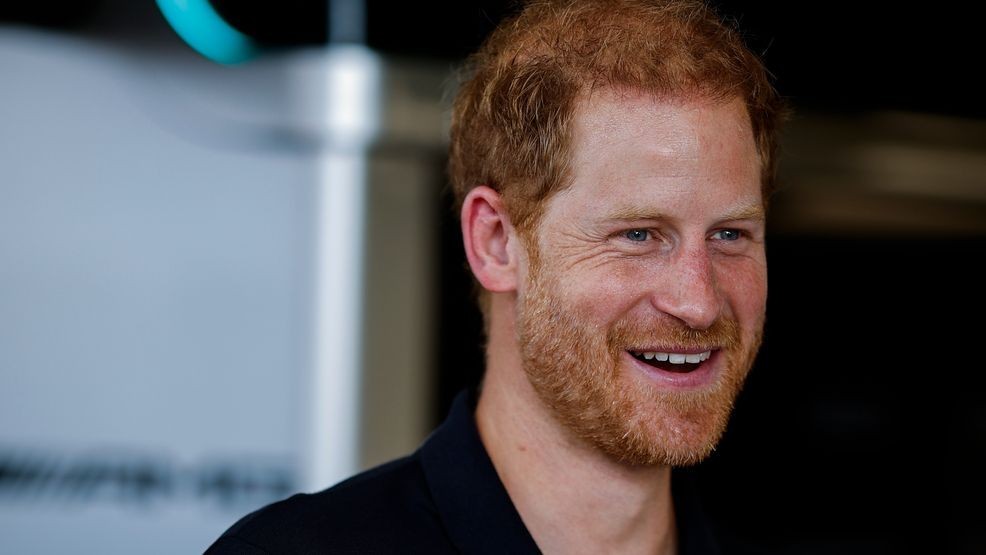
(643, 302)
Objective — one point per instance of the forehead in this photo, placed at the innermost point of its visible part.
(641, 152)
(669, 125)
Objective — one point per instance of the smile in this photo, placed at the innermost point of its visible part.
(671, 361)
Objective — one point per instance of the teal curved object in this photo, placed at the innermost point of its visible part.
(199, 25)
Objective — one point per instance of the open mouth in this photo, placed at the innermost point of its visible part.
(680, 363)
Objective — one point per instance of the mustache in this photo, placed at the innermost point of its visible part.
(633, 333)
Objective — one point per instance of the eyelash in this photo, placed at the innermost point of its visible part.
(629, 232)
(739, 234)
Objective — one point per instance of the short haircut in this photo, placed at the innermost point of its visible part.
(512, 114)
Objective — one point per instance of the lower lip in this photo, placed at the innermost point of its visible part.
(701, 376)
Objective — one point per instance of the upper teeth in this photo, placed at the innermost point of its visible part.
(675, 358)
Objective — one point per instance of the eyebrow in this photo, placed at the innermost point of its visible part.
(753, 212)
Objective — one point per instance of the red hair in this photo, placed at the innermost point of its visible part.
(511, 117)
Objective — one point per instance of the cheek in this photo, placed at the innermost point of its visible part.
(604, 295)
(744, 287)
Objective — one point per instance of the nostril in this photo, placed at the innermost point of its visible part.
(693, 306)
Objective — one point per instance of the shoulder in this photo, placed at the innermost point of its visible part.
(383, 510)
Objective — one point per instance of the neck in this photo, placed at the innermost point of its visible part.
(572, 497)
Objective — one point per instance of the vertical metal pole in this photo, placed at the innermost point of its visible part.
(353, 105)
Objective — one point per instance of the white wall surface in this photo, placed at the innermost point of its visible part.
(157, 275)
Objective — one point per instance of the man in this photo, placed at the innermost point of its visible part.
(612, 160)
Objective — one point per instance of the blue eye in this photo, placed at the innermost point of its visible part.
(728, 235)
(637, 235)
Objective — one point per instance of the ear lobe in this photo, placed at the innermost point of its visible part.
(488, 238)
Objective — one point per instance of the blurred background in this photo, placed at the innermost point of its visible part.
(229, 269)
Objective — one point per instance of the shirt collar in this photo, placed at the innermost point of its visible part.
(477, 511)
(471, 500)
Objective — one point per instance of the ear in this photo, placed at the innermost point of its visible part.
(489, 239)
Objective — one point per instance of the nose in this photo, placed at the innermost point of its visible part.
(688, 290)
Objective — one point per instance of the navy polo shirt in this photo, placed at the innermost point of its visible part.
(444, 498)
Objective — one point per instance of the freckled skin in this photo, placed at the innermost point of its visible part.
(693, 162)
(657, 241)
(660, 234)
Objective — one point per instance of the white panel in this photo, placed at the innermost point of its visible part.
(154, 312)
(183, 284)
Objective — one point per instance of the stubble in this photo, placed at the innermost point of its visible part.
(579, 372)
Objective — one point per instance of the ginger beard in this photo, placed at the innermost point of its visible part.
(580, 374)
